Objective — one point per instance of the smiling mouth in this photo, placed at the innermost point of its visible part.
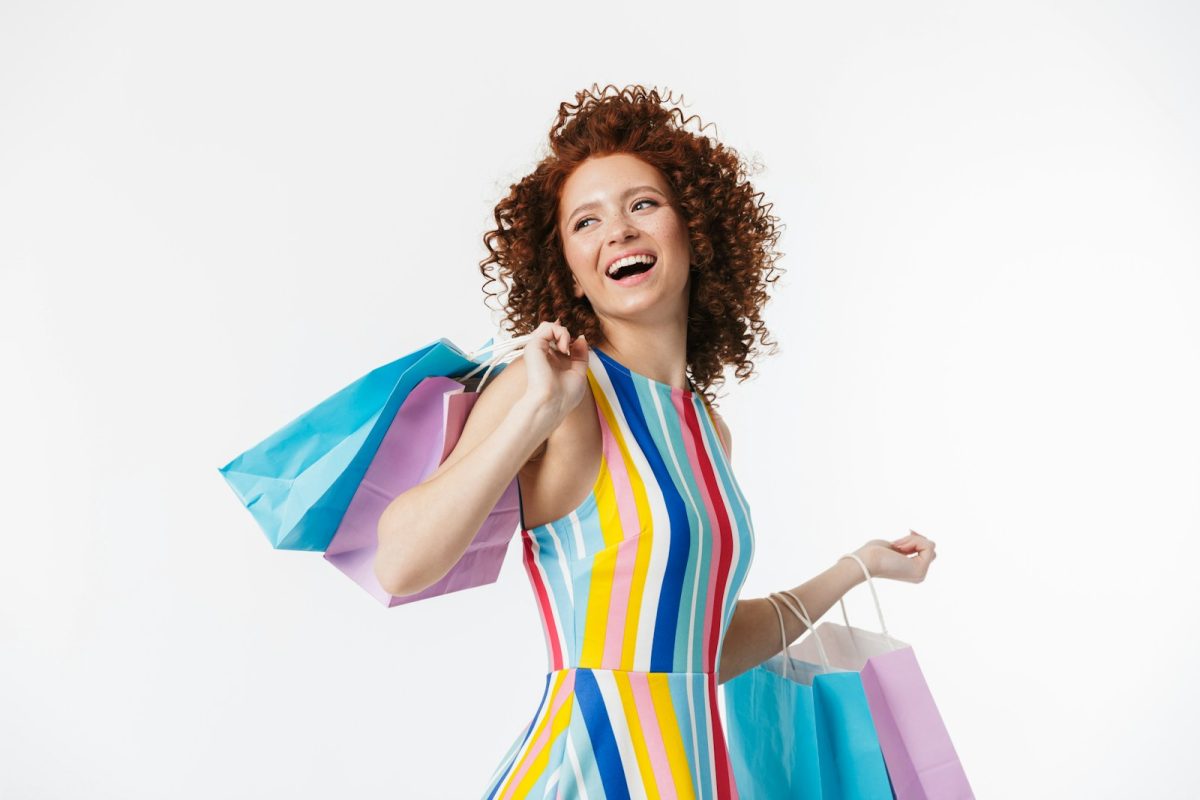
(632, 269)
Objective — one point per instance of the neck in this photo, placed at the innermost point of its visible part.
(658, 351)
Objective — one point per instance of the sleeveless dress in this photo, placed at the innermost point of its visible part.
(635, 589)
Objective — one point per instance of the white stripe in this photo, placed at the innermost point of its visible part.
(621, 731)
(573, 757)
(694, 556)
(735, 539)
(562, 562)
(558, 627)
(712, 750)
(577, 528)
(659, 522)
(706, 428)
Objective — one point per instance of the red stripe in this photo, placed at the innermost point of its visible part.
(724, 535)
(725, 786)
(543, 601)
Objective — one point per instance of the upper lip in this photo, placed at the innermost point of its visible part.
(627, 255)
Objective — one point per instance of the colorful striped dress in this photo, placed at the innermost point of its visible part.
(635, 589)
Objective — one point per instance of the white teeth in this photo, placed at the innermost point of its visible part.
(624, 262)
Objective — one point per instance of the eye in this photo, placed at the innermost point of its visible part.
(579, 224)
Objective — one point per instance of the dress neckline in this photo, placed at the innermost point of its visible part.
(687, 393)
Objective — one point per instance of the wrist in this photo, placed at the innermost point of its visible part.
(533, 415)
(852, 571)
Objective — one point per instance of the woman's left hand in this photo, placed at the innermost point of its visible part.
(896, 559)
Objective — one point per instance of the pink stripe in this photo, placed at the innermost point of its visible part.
(531, 752)
(690, 445)
(654, 739)
(622, 483)
(614, 629)
(724, 533)
(619, 602)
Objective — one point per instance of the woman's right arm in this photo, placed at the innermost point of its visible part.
(425, 530)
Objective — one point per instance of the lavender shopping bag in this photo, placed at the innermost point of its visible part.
(423, 432)
(921, 760)
(328, 474)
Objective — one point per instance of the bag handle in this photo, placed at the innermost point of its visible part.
(787, 659)
(874, 596)
(797, 607)
(504, 348)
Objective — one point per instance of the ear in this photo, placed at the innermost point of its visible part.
(577, 290)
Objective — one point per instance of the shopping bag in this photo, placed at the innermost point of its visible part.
(770, 728)
(848, 750)
(298, 482)
(803, 730)
(423, 432)
(921, 760)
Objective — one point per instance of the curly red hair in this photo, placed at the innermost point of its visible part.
(732, 233)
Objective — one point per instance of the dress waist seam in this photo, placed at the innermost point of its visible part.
(630, 671)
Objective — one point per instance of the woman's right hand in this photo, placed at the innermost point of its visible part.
(555, 370)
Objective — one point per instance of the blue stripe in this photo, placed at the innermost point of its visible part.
(604, 744)
(662, 654)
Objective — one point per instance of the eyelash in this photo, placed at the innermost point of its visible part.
(585, 219)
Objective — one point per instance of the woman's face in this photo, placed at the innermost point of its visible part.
(618, 204)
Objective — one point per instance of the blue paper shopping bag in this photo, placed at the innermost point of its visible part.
(299, 481)
(802, 730)
(770, 730)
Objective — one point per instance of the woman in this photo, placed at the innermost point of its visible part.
(652, 257)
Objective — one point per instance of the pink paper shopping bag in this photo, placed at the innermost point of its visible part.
(921, 761)
(423, 433)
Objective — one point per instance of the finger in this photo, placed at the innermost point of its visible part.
(548, 332)
(913, 539)
(579, 349)
(925, 551)
(559, 339)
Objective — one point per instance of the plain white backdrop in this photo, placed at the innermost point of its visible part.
(212, 216)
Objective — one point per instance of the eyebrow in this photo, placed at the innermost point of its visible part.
(626, 193)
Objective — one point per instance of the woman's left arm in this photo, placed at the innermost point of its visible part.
(753, 633)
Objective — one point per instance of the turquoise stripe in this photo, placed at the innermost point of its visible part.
(738, 520)
(554, 561)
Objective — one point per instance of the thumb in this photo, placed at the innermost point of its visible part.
(579, 352)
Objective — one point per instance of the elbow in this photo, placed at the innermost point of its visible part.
(396, 580)
(399, 570)
(391, 583)
(389, 563)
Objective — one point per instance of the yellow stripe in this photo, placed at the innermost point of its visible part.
(642, 559)
(613, 532)
(539, 764)
(604, 566)
(668, 723)
(516, 767)
(633, 613)
(637, 486)
(636, 733)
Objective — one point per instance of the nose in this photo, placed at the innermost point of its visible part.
(622, 229)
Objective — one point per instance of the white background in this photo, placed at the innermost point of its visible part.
(214, 215)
